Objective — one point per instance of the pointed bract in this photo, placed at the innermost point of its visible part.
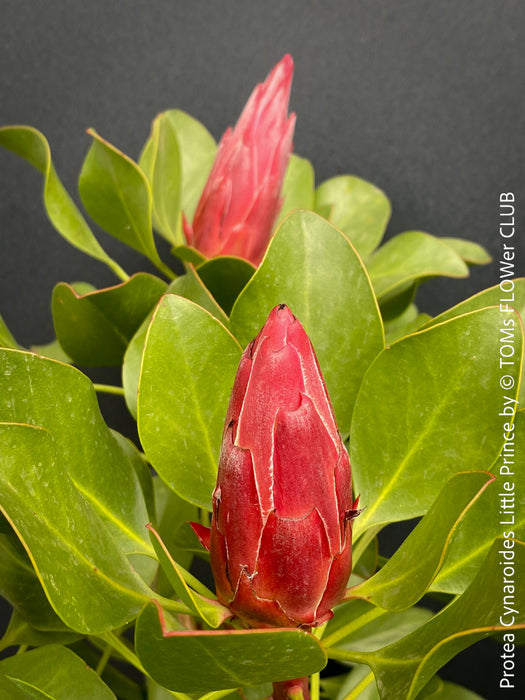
(282, 509)
(242, 197)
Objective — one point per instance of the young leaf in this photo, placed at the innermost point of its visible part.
(95, 328)
(438, 390)
(62, 211)
(311, 267)
(117, 196)
(410, 256)
(188, 367)
(298, 186)
(200, 662)
(357, 207)
(472, 253)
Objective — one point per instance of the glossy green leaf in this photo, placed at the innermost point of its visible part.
(438, 391)
(407, 575)
(410, 256)
(298, 186)
(51, 672)
(357, 207)
(32, 145)
(189, 286)
(85, 575)
(86, 450)
(205, 661)
(408, 322)
(117, 196)
(19, 631)
(512, 298)
(188, 368)
(360, 684)
(95, 328)
(188, 254)
(6, 337)
(493, 296)
(19, 583)
(226, 277)
(197, 150)
(311, 266)
(500, 508)
(52, 351)
(470, 617)
(161, 163)
(472, 253)
(204, 604)
(360, 625)
(172, 522)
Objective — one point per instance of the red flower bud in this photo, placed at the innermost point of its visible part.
(241, 199)
(281, 530)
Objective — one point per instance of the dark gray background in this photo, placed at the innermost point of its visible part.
(424, 99)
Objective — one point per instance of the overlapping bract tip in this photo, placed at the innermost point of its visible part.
(282, 508)
(242, 197)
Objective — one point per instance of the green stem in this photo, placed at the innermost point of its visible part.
(115, 267)
(353, 626)
(21, 649)
(315, 686)
(109, 389)
(165, 269)
(103, 661)
(363, 683)
(111, 639)
(356, 657)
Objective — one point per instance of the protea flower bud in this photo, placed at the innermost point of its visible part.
(282, 509)
(241, 199)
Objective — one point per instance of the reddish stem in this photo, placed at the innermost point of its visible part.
(291, 690)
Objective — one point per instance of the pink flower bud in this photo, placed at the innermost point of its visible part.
(281, 534)
(241, 200)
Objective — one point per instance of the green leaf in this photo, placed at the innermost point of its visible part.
(438, 391)
(410, 256)
(360, 626)
(470, 617)
(52, 351)
(50, 672)
(197, 149)
(357, 207)
(20, 586)
(205, 605)
(95, 328)
(188, 368)
(19, 631)
(161, 163)
(488, 518)
(172, 522)
(189, 286)
(117, 196)
(226, 277)
(408, 322)
(312, 267)
(200, 662)
(84, 573)
(188, 254)
(514, 298)
(407, 575)
(6, 338)
(298, 186)
(59, 398)
(31, 145)
(472, 253)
